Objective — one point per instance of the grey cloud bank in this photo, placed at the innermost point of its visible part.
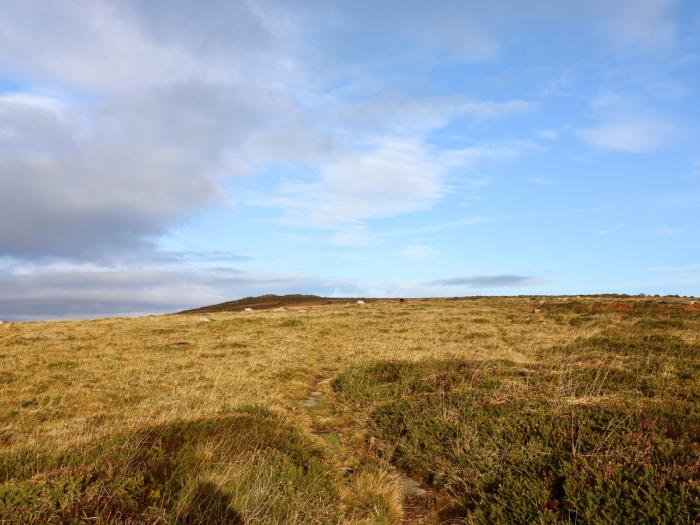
(83, 292)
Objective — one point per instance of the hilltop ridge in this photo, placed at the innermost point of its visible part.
(269, 301)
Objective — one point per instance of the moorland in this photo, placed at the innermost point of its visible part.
(466, 410)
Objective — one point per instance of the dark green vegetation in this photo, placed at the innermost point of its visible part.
(606, 431)
(173, 473)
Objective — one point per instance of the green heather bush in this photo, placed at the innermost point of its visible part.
(204, 471)
(653, 365)
(632, 344)
(532, 457)
(395, 379)
(511, 463)
(650, 323)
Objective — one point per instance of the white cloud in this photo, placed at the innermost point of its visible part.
(404, 114)
(393, 177)
(112, 46)
(639, 23)
(354, 236)
(547, 134)
(611, 230)
(383, 179)
(665, 231)
(629, 135)
(418, 251)
(541, 181)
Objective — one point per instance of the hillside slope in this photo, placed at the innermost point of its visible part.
(269, 301)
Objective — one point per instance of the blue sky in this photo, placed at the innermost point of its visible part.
(156, 156)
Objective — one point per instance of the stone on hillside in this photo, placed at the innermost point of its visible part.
(411, 488)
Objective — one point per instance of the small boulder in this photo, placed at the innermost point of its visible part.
(411, 488)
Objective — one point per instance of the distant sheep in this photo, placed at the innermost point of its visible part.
(360, 302)
(248, 310)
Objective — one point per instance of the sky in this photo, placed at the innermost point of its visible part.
(168, 154)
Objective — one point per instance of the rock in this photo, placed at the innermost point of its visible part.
(315, 393)
(309, 402)
(204, 319)
(411, 488)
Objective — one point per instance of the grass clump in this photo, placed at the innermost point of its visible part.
(229, 469)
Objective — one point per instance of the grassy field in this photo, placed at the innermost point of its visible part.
(485, 410)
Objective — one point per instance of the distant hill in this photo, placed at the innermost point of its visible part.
(266, 302)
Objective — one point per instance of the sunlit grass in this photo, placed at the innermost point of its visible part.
(79, 400)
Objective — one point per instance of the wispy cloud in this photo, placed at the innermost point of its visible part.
(611, 230)
(541, 181)
(418, 251)
(665, 231)
(629, 135)
(639, 23)
(404, 113)
(383, 179)
(486, 281)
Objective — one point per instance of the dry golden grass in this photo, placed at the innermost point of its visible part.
(65, 384)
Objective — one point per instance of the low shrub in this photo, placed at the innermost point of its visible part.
(524, 454)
